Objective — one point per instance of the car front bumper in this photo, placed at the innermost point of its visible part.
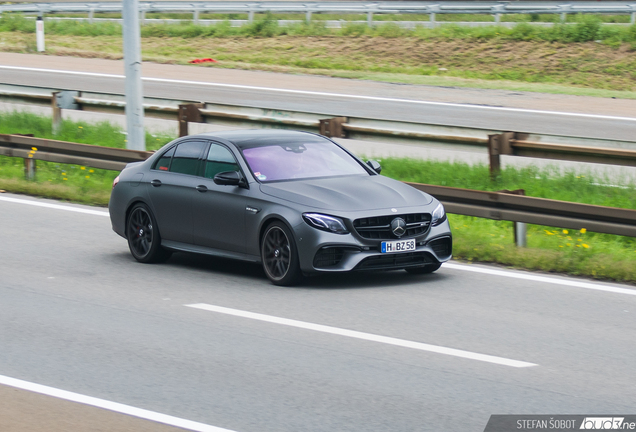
(321, 251)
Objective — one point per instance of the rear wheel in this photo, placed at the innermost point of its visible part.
(143, 237)
(280, 256)
(430, 268)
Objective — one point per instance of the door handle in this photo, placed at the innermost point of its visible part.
(201, 188)
(156, 183)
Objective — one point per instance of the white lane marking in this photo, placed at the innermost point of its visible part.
(111, 406)
(337, 95)
(55, 206)
(536, 278)
(364, 336)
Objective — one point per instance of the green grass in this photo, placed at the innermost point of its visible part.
(546, 182)
(583, 28)
(61, 181)
(550, 249)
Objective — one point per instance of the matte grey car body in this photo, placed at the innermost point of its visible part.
(237, 194)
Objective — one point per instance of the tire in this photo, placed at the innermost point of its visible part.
(280, 255)
(143, 236)
(430, 268)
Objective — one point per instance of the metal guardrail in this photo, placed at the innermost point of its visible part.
(431, 8)
(490, 205)
(88, 155)
(369, 129)
(537, 211)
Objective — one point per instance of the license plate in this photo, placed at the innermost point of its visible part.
(398, 246)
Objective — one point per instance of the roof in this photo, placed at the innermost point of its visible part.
(247, 138)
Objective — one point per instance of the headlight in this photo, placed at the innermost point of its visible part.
(439, 215)
(325, 223)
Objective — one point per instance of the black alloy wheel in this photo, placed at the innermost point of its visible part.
(143, 236)
(279, 255)
(430, 268)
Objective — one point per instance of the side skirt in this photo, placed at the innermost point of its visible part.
(185, 247)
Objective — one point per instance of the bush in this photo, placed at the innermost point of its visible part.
(16, 23)
(587, 29)
(523, 32)
(267, 27)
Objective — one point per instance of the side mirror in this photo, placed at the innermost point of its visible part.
(374, 165)
(230, 178)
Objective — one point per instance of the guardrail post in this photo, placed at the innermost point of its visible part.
(29, 162)
(91, 15)
(521, 231)
(332, 127)
(370, 19)
(195, 16)
(29, 168)
(250, 17)
(308, 16)
(57, 114)
(520, 228)
(493, 155)
(498, 144)
(432, 19)
(189, 113)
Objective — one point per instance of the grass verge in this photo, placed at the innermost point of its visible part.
(549, 249)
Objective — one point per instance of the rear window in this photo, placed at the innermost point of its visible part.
(186, 157)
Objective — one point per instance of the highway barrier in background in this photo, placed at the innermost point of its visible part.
(496, 142)
(431, 8)
(503, 205)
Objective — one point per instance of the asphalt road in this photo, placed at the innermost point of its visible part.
(79, 314)
(525, 112)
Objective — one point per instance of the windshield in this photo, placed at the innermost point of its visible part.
(301, 160)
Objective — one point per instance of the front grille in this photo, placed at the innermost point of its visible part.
(328, 257)
(395, 261)
(443, 246)
(379, 227)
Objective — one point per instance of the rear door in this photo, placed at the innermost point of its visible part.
(172, 187)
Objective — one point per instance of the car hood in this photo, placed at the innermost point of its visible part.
(348, 193)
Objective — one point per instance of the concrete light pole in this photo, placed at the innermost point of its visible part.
(132, 60)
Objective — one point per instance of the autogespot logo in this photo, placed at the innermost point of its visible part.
(603, 423)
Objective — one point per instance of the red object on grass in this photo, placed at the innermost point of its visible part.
(205, 60)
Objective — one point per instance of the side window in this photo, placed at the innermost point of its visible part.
(163, 164)
(219, 159)
(186, 157)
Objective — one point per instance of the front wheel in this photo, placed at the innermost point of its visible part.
(280, 256)
(143, 237)
(430, 268)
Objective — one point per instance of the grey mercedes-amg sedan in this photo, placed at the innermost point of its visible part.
(296, 202)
